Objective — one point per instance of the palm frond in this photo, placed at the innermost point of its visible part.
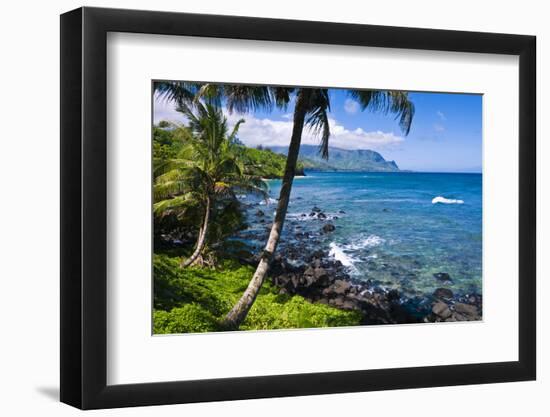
(211, 94)
(177, 91)
(161, 167)
(167, 190)
(179, 203)
(233, 135)
(317, 120)
(282, 96)
(245, 98)
(396, 102)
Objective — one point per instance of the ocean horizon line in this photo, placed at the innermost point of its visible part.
(402, 171)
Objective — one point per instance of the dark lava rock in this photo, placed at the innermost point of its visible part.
(341, 212)
(349, 305)
(329, 227)
(443, 293)
(338, 301)
(474, 299)
(316, 277)
(260, 213)
(316, 209)
(468, 310)
(393, 295)
(340, 287)
(318, 254)
(322, 216)
(442, 276)
(385, 210)
(441, 310)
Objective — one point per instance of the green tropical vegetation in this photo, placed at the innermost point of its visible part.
(196, 300)
(205, 172)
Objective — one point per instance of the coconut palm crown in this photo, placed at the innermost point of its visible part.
(207, 169)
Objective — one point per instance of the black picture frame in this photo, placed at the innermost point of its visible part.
(84, 207)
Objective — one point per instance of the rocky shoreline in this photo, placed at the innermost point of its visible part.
(302, 269)
(324, 280)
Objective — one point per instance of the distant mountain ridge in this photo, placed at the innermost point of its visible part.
(341, 159)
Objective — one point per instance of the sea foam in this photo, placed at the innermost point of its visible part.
(369, 242)
(443, 200)
(338, 253)
(269, 201)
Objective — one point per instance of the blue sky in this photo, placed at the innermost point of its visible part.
(446, 133)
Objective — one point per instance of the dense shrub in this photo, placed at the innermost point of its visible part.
(190, 318)
(195, 299)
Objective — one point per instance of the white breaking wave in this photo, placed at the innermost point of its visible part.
(369, 242)
(443, 200)
(306, 217)
(269, 201)
(338, 253)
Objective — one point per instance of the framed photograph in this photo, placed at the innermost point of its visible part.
(257, 208)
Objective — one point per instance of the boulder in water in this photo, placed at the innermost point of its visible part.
(329, 227)
(442, 276)
(441, 310)
(469, 311)
(393, 295)
(443, 293)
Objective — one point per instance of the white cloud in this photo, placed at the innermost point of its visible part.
(165, 110)
(438, 127)
(351, 106)
(269, 132)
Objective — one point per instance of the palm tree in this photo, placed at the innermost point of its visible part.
(311, 109)
(207, 169)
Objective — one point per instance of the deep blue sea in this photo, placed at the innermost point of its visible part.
(395, 229)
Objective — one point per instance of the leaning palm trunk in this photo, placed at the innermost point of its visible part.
(238, 313)
(201, 239)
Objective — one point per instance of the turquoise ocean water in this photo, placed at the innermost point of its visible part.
(395, 229)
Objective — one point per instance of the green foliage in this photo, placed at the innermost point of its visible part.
(262, 161)
(190, 318)
(195, 299)
(164, 145)
(197, 169)
(276, 311)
